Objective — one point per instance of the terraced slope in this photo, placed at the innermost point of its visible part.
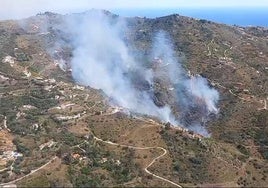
(57, 133)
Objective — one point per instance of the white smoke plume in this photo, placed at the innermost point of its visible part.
(102, 60)
(196, 85)
(192, 92)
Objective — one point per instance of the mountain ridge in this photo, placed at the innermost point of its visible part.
(233, 59)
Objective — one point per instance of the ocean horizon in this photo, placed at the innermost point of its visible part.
(231, 16)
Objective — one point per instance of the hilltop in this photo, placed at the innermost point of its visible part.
(56, 132)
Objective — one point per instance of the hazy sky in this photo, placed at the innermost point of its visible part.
(24, 8)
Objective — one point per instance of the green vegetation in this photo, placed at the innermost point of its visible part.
(231, 57)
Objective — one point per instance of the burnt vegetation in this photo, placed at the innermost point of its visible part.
(234, 60)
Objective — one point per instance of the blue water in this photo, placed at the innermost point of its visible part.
(230, 16)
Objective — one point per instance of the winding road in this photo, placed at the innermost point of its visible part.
(32, 172)
(114, 144)
(153, 161)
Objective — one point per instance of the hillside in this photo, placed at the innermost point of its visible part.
(56, 132)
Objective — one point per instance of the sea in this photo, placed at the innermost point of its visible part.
(250, 16)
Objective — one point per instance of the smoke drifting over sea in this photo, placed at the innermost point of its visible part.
(102, 60)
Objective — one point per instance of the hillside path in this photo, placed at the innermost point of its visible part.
(32, 172)
(153, 161)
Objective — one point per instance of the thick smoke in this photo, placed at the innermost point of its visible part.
(195, 100)
(102, 60)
